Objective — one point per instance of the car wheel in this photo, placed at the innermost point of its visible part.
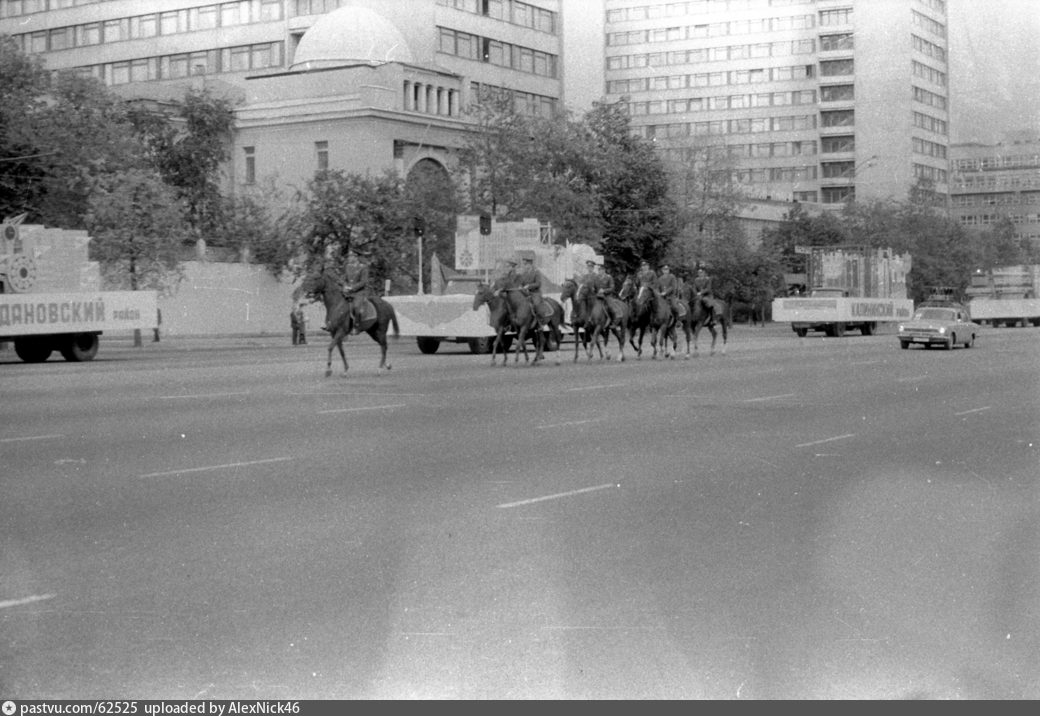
(427, 344)
(970, 342)
(904, 344)
(951, 341)
(801, 332)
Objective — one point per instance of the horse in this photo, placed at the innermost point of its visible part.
(650, 313)
(340, 318)
(685, 322)
(701, 318)
(509, 309)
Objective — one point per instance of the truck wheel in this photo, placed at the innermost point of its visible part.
(428, 345)
(868, 328)
(904, 344)
(33, 350)
(80, 347)
(801, 332)
(839, 330)
(481, 345)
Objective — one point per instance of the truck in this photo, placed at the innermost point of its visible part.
(51, 298)
(446, 315)
(1005, 295)
(850, 288)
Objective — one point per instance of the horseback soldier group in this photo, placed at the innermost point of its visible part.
(670, 287)
(528, 280)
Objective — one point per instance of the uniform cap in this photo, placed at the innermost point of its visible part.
(511, 262)
(590, 262)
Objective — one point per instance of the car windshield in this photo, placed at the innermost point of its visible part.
(935, 314)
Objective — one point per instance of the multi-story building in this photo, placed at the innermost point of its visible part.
(992, 182)
(358, 85)
(811, 100)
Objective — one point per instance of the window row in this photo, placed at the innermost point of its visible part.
(931, 74)
(244, 58)
(837, 16)
(713, 79)
(756, 125)
(928, 48)
(14, 8)
(708, 104)
(513, 11)
(980, 182)
(715, 29)
(923, 171)
(985, 219)
(139, 27)
(927, 24)
(928, 149)
(838, 42)
(694, 7)
(701, 55)
(837, 118)
(930, 98)
(1003, 199)
(837, 93)
(527, 103)
(930, 123)
(1010, 161)
(937, 5)
(496, 52)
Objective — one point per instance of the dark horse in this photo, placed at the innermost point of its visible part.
(340, 318)
(509, 309)
(651, 313)
(591, 315)
(700, 318)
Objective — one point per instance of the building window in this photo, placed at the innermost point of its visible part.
(838, 170)
(832, 145)
(321, 152)
(838, 118)
(838, 194)
(837, 93)
(830, 43)
(830, 68)
(250, 157)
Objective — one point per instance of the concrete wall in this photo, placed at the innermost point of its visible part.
(230, 299)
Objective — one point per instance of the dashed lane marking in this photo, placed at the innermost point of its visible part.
(30, 437)
(567, 424)
(215, 467)
(973, 410)
(201, 395)
(596, 387)
(770, 397)
(557, 496)
(356, 410)
(26, 600)
(827, 440)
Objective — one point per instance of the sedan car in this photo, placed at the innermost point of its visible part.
(944, 326)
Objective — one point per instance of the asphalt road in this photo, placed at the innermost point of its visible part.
(797, 518)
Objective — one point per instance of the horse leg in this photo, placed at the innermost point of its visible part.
(343, 355)
(577, 340)
(328, 361)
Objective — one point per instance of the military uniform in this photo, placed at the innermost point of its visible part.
(604, 285)
(646, 277)
(702, 286)
(668, 285)
(531, 282)
(355, 289)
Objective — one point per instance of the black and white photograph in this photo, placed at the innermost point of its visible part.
(637, 350)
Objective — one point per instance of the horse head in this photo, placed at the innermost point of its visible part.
(482, 295)
(627, 290)
(312, 286)
(569, 289)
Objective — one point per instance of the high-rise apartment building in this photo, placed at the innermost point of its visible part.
(811, 100)
(991, 182)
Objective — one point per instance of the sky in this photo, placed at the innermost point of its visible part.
(994, 64)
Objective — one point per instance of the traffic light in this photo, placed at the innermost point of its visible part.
(419, 226)
(485, 224)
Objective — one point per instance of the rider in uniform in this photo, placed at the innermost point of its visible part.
(703, 288)
(531, 283)
(646, 276)
(668, 285)
(507, 279)
(355, 287)
(604, 285)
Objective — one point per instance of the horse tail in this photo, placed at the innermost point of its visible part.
(393, 321)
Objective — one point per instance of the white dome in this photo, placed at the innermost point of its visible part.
(348, 36)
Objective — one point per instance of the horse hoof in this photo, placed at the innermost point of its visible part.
(328, 374)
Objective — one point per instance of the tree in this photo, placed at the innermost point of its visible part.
(337, 212)
(22, 84)
(136, 224)
(639, 215)
(188, 147)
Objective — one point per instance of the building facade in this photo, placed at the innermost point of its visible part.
(809, 100)
(993, 182)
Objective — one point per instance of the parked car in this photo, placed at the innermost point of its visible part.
(944, 325)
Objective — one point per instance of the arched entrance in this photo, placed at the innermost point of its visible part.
(431, 191)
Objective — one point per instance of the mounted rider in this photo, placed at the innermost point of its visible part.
(704, 292)
(646, 276)
(668, 285)
(603, 284)
(355, 288)
(530, 282)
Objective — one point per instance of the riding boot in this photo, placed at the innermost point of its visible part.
(357, 323)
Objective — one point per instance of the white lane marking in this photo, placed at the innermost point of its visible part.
(30, 437)
(596, 387)
(557, 496)
(215, 467)
(827, 440)
(26, 600)
(973, 410)
(354, 410)
(200, 395)
(909, 378)
(770, 397)
(572, 422)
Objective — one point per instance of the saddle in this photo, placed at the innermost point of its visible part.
(545, 310)
(368, 310)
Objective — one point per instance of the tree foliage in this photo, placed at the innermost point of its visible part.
(136, 223)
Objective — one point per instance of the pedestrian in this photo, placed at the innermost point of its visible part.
(298, 322)
(158, 322)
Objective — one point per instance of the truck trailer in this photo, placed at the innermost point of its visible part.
(51, 299)
(1005, 295)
